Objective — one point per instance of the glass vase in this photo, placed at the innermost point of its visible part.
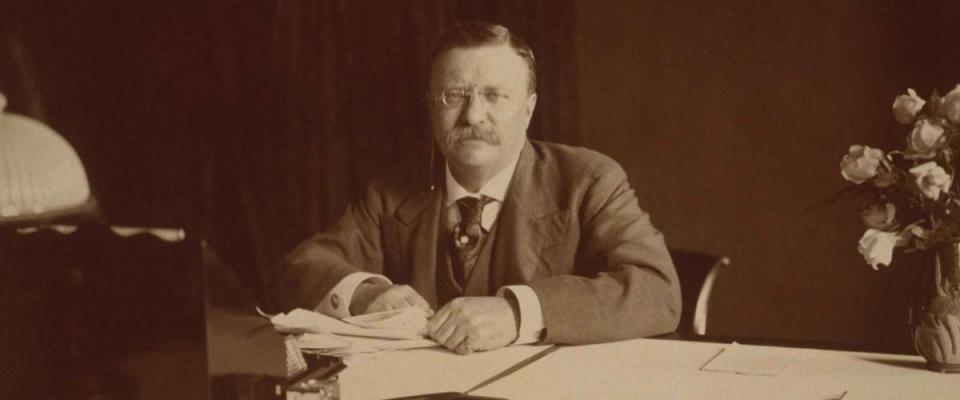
(937, 311)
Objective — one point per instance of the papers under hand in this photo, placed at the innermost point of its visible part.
(407, 323)
(405, 319)
(388, 330)
(322, 343)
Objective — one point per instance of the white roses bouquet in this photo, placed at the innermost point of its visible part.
(912, 199)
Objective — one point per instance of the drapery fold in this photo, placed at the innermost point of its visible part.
(253, 123)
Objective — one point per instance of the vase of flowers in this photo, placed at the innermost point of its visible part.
(937, 327)
(911, 202)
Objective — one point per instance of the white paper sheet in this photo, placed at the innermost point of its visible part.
(409, 324)
(343, 346)
(751, 360)
(389, 330)
(406, 373)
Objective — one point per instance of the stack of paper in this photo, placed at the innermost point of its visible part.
(388, 330)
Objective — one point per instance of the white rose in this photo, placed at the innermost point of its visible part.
(931, 179)
(860, 163)
(950, 107)
(879, 215)
(925, 137)
(876, 246)
(906, 106)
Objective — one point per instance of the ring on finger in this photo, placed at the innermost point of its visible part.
(464, 347)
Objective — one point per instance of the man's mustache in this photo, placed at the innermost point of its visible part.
(459, 134)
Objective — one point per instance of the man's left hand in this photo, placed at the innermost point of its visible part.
(469, 324)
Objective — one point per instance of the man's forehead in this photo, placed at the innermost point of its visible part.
(490, 64)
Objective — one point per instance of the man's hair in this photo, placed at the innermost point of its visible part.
(476, 34)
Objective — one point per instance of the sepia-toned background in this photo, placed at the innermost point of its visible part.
(256, 122)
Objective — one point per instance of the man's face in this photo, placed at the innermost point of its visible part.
(484, 123)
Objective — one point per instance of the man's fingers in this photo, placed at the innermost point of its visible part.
(485, 323)
(393, 298)
(459, 336)
(416, 300)
(438, 320)
(405, 296)
(375, 306)
(382, 303)
(443, 332)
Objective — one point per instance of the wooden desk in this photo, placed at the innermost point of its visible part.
(641, 368)
(669, 369)
(656, 369)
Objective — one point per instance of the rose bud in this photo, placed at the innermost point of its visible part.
(876, 247)
(931, 179)
(860, 163)
(886, 178)
(950, 106)
(925, 137)
(906, 106)
(880, 216)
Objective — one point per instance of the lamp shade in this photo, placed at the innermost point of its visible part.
(40, 173)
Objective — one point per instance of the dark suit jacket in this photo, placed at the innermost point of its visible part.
(570, 228)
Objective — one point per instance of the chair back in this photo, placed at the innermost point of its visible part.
(697, 272)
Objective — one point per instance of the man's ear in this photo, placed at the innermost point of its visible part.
(531, 105)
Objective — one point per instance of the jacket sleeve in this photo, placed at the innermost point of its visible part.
(626, 285)
(352, 244)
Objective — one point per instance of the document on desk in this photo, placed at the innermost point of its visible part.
(407, 323)
(345, 346)
(751, 360)
(389, 330)
(407, 373)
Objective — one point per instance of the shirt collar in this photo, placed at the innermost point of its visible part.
(495, 188)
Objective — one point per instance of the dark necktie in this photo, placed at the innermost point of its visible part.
(467, 236)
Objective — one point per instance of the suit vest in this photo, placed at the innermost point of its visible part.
(478, 283)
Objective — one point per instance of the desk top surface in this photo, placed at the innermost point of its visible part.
(648, 368)
(640, 368)
(673, 369)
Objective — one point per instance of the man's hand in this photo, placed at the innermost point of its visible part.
(370, 298)
(468, 324)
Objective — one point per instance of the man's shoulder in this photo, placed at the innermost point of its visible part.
(569, 177)
(573, 159)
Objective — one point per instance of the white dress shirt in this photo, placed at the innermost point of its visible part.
(337, 302)
(531, 317)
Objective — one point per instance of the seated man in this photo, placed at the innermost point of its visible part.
(522, 242)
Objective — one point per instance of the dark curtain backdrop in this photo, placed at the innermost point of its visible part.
(254, 123)
(731, 119)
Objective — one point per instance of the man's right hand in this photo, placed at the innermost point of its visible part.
(372, 297)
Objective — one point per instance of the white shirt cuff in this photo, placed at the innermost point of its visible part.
(531, 317)
(337, 302)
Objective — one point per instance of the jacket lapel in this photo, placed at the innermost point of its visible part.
(419, 218)
(529, 221)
